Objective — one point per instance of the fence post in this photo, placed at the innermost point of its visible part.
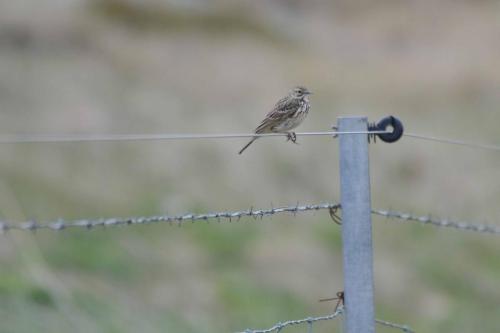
(356, 226)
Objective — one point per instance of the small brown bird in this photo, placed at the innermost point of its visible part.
(287, 114)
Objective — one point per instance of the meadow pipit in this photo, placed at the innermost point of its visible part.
(287, 114)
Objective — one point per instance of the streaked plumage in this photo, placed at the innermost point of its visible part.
(287, 114)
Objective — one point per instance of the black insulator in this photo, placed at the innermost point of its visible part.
(382, 125)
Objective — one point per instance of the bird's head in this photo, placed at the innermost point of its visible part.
(299, 92)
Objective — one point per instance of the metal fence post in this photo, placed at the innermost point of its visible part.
(356, 226)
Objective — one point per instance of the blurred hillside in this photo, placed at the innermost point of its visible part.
(151, 66)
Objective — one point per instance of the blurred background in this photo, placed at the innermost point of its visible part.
(199, 66)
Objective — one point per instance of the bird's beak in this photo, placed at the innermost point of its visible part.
(309, 93)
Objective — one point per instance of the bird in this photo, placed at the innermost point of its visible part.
(288, 113)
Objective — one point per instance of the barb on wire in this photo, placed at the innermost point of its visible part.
(12, 139)
(465, 226)
(453, 142)
(171, 219)
(309, 321)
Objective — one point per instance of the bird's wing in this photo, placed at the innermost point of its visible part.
(284, 109)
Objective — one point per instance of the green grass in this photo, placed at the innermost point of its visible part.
(13, 285)
(225, 243)
(95, 252)
(251, 304)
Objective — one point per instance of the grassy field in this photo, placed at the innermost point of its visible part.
(121, 66)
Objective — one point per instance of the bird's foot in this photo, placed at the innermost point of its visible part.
(291, 136)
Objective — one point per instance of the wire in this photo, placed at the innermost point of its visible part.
(14, 139)
(403, 328)
(170, 219)
(279, 326)
(61, 224)
(465, 226)
(454, 142)
(311, 320)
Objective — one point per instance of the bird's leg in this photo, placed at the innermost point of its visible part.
(291, 136)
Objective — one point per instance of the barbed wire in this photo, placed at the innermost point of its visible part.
(465, 226)
(311, 320)
(404, 328)
(13, 139)
(255, 213)
(237, 215)
(171, 219)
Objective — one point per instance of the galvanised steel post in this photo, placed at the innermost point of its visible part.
(356, 226)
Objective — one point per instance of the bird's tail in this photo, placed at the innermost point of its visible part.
(248, 144)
